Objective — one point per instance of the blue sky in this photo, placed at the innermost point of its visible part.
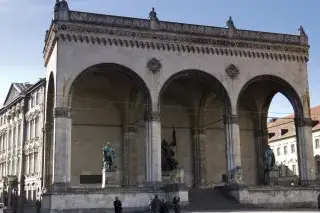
(24, 22)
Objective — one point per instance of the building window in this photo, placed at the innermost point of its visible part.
(317, 144)
(293, 148)
(278, 151)
(294, 129)
(294, 169)
(285, 150)
(37, 97)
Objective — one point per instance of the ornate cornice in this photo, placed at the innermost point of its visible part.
(181, 28)
(198, 43)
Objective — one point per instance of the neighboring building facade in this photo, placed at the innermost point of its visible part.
(21, 141)
(283, 142)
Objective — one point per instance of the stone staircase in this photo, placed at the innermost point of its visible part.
(213, 199)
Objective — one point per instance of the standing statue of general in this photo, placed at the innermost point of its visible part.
(108, 157)
(269, 159)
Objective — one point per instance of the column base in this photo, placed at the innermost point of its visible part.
(59, 187)
(307, 182)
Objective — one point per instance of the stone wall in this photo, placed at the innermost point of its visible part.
(280, 197)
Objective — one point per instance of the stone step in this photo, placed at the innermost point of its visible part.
(213, 199)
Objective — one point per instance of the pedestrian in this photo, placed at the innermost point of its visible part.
(150, 210)
(155, 204)
(176, 204)
(117, 205)
(164, 207)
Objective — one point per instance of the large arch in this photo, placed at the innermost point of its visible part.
(195, 102)
(253, 104)
(105, 100)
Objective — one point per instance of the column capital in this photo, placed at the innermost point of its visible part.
(303, 122)
(130, 129)
(198, 131)
(230, 118)
(152, 116)
(62, 112)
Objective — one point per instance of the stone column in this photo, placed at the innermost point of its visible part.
(233, 150)
(61, 148)
(261, 139)
(305, 150)
(130, 169)
(199, 136)
(153, 147)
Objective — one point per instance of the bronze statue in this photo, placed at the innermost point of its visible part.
(269, 159)
(168, 163)
(108, 156)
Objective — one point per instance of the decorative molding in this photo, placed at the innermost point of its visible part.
(62, 112)
(198, 131)
(154, 65)
(232, 71)
(230, 119)
(130, 129)
(300, 122)
(153, 116)
(172, 42)
(144, 24)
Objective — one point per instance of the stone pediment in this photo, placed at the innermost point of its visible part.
(15, 90)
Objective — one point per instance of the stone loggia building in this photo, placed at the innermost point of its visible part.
(128, 81)
(21, 144)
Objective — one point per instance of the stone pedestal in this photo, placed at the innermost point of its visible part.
(271, 177)
(111, 178)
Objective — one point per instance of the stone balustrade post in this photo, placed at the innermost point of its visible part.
(199, 136)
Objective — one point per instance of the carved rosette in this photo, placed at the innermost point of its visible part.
(303, 122)
(232, 71)
(230, 119)
(154, 65)
(62, 112)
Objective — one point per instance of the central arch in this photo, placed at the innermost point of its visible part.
(107, 101)
(194, 102)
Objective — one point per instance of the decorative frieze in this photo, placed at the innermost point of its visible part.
(62, 112)
(144, 24)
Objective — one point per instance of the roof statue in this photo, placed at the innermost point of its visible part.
(61, 5)
(302, 32)
(230, 23)
(153, 15)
